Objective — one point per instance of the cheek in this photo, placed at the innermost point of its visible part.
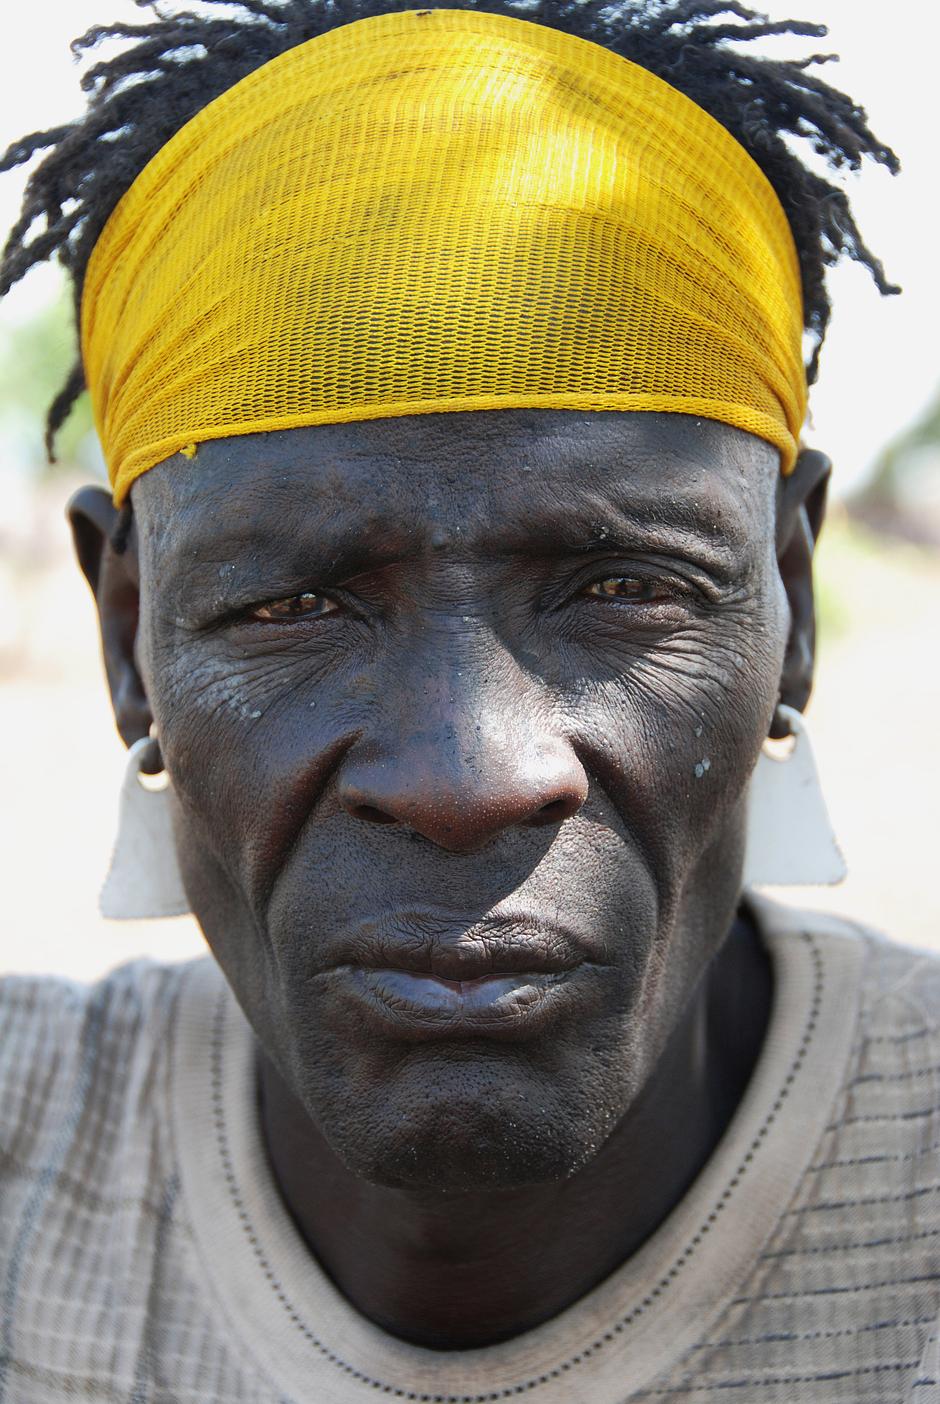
(250, 742)
(674, 736)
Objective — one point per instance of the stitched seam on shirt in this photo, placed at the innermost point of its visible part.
(854, 1247)
(905, 1037)
(931, 1070)
(863, 1203)
(881, 1117)
(762, 1380)
(791, 1337)
(836, 1291)
(418, 1397)
(873, 1159)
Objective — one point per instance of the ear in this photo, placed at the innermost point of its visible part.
(106, 547)
(801, 507)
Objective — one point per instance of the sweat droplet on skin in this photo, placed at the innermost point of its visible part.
(703, 765)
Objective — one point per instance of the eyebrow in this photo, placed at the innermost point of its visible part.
(319, 551)
(242, 562)
(676, 527)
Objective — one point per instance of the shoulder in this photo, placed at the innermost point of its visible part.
(899, 986)
(847, 1287)
(901, 992)
(894, 1079)
(885, 1124)
(71, 1054)
(879, 1153)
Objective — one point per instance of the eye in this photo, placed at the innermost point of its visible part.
(635, 589)
(305, 606)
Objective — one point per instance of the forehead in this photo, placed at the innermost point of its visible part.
(490, 477)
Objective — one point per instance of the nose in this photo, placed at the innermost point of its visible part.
(458, 793)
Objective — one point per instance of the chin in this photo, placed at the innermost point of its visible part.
(463, 1127)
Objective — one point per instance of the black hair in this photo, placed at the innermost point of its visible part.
(173, 64)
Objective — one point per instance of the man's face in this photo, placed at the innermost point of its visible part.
(460, 712)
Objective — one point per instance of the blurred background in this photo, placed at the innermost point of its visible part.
(876, 412)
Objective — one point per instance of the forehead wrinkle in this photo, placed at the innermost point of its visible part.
(624, 473)
(717, 522)
(716, 484)
(267, 527)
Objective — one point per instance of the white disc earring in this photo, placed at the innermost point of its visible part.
(144, 878)
(790, 841)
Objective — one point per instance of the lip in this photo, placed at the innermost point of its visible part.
(424, 943)
(420, 1007)
(422, 975)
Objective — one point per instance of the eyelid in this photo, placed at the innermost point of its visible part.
(667, 593)
(252, 611)
(683, 573)
(669, 578)
(651, 581)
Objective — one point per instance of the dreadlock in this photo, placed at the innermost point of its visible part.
(173, 65)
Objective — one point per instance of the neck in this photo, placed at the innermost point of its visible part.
(464, 1270)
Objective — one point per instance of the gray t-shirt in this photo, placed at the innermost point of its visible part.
(145, 1256)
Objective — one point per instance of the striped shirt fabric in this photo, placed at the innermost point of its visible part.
(146, 1258)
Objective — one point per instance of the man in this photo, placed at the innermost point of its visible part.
(458, 564)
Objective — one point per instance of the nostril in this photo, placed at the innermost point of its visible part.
(371, 814)
(555, 811)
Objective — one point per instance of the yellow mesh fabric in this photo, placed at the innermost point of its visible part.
(440, 210)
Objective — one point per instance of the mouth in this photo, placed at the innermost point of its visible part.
(504, 979)
(423, 1008)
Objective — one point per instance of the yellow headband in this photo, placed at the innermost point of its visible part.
(440, 210)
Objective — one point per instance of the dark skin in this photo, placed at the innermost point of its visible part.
(436, 695)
